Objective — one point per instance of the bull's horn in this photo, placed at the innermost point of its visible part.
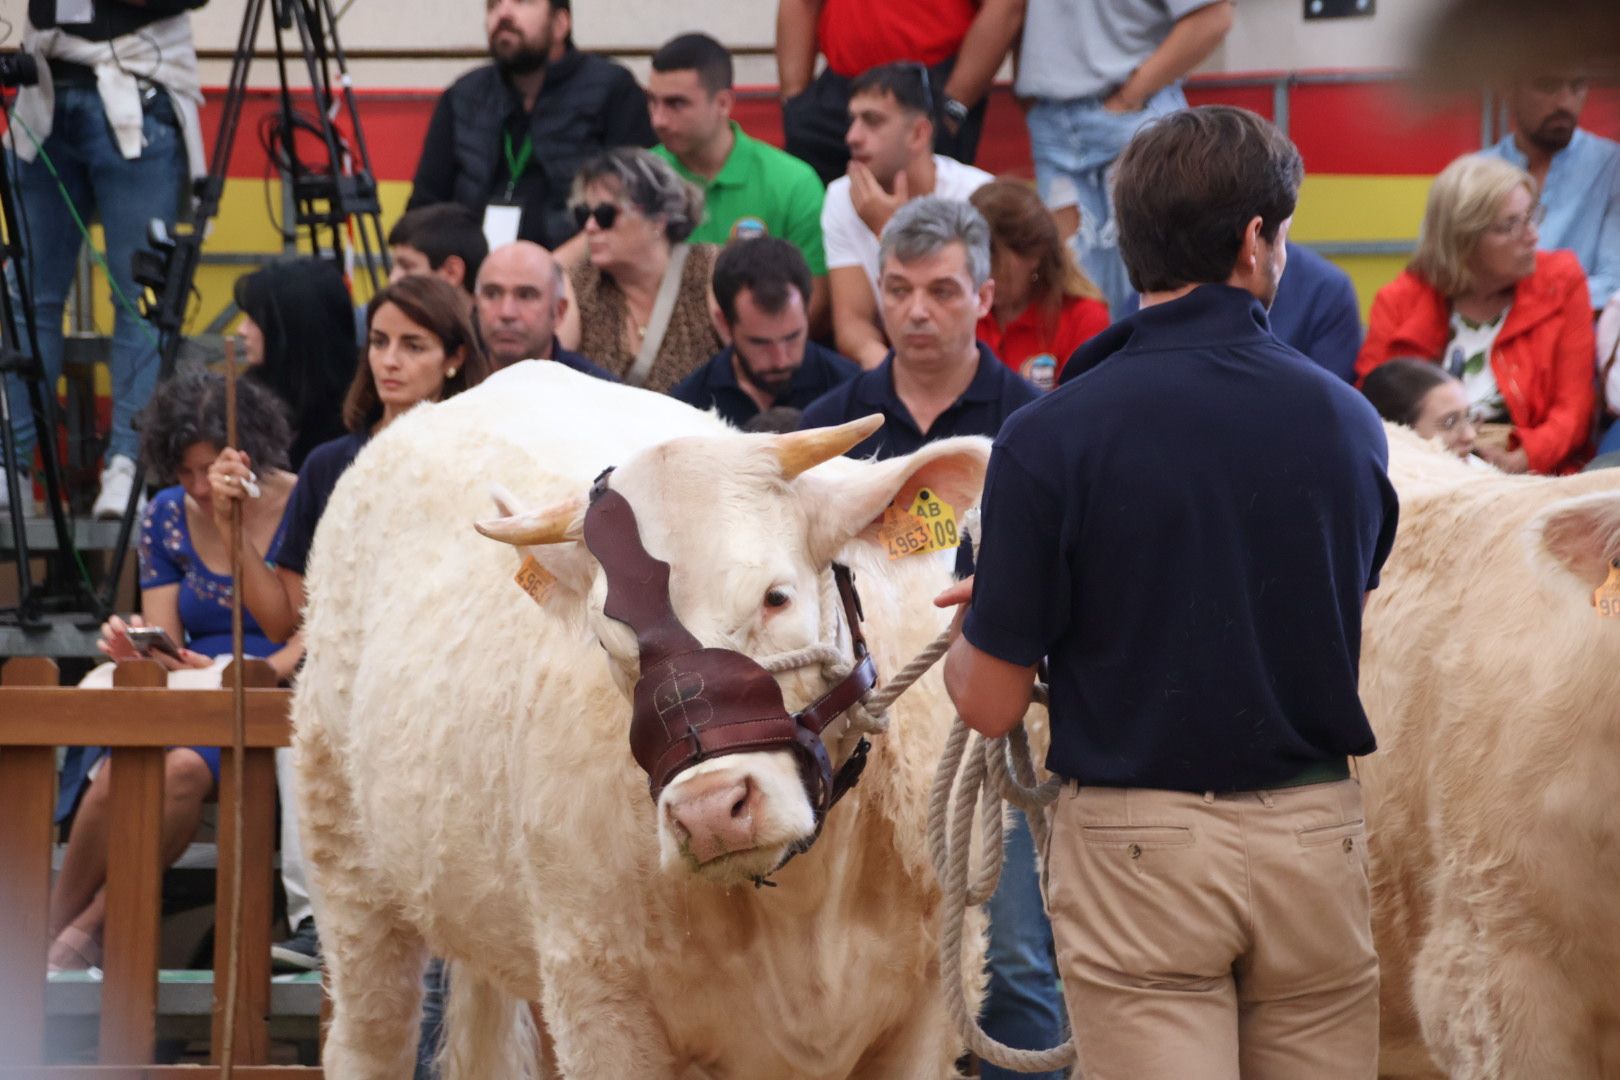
(801, 451)
(544, 525)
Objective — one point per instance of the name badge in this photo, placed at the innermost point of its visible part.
(501, 224)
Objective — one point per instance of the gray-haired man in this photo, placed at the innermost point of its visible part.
(937, 381)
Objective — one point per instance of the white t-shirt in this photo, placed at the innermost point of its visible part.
(849, 242)
(1468, 356)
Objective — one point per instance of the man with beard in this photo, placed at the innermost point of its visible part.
(762, 287)
(1185, 532)
(1579, 174)
(506, 138)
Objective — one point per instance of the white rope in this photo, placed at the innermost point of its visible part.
(996, 772)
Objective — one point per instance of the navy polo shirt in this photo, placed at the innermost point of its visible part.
(1185, 529)
(579, 363)
(993, 395)
(714, 385)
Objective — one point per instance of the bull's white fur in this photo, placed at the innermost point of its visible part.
(1495, 831)
(467, 787)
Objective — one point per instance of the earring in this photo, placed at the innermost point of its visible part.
(451, 373)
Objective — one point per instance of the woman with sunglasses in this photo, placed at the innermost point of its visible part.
(634, 212)
(1512, 323)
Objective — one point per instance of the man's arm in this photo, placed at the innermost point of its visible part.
(991, 695)
(1336, 330)
(983, 49)
(795, 44)
(1189, 43)
(1604, 279)
(854, 311)
(436, 169)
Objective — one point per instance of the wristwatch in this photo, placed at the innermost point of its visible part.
(954, 111)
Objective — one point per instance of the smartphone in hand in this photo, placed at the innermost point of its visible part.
(150, 639)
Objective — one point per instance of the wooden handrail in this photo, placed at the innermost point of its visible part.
(138, 719)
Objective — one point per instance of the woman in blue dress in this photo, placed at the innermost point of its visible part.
(186, 590)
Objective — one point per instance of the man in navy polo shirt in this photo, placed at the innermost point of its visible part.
(934, 285)
(1186, 531)
(938, 380)
(763, 288)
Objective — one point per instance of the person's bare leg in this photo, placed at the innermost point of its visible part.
(84, 864)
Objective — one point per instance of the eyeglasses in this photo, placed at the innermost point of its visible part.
(604, 213)
(1516, 225)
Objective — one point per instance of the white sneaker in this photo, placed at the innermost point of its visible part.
(25, 487)
(116, 481)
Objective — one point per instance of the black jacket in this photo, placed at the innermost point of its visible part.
(113, 18)
(587, 104)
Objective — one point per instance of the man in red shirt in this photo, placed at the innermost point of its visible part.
(961, 43)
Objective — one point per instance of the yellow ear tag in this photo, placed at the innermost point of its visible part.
(535, 579)
(940, 518)
(1607, 596)
(902, 534)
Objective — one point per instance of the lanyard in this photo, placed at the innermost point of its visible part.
(516, 163)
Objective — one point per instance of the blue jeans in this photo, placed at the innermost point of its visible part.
(1075, 144)
(126, 195)
(1611, 441)
(1023, 1006)
(435, 986)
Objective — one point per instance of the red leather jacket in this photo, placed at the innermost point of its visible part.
(1544, 358)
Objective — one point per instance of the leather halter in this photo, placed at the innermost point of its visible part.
(692, 703)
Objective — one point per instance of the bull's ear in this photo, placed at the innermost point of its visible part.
(1581, 535)
(550, 534)
(845, 500)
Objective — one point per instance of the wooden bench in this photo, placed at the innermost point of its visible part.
(137, 720)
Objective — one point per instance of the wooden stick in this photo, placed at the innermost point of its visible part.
(227, 1049)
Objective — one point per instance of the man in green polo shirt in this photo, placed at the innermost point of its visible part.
(750, 188)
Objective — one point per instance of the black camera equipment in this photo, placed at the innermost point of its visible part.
(328, 196)
(18, 69)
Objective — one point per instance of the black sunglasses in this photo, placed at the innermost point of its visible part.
(604, 213)
(920, 69)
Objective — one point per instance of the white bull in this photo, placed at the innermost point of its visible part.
(466, 783)
(1493, 802)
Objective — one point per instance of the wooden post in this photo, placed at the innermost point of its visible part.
(27, 802)
(252, 1037)
(134, 882)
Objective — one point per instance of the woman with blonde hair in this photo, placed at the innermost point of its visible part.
(1513, 323)
(1045, 306)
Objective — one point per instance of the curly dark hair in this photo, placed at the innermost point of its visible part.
(190, 408)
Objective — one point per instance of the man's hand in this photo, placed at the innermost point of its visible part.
(873, 205)
(1509, 461)
(958, 596)
(1119, 104)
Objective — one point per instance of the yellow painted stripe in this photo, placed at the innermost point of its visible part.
(1360, 207)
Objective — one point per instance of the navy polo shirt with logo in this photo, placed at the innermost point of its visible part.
(714, 385)
(994, 394)
(1186, 529)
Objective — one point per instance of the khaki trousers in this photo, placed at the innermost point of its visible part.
(1215, 937)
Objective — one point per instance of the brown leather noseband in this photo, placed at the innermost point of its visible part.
(693, 703)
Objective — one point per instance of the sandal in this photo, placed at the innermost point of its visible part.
(73, 950)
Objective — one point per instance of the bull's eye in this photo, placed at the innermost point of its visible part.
(777, 598)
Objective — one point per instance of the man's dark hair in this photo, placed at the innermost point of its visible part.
(905, 80)
(1397, 388)
(700, 53)
(1188, 185)
(443, 230)
(189, 408)
(776, 420)
(767, 266)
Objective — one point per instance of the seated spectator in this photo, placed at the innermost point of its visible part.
(420, 347)
(1425, 397)
(763, 289)
(1514, 324)
(1608, 338)
(520, 302)
(891, 139)
(749, 188)
(1045, 306)
(186, 590)
(939, 380)
(446, 239)
(636, 215)
(297, 334)
(1578, 174)
(506, 138)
